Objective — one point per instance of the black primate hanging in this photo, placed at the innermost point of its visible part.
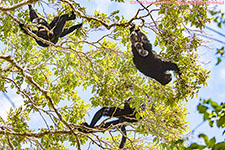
(53, 31)
(126, 114)
(146, 61)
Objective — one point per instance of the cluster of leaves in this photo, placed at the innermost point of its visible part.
(171, 38)
(209, 143)
(47, 77)
(214, 114)
(217, 114)
(219, 19)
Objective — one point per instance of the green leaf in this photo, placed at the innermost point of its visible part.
(218, 61)
(201, 108)
(193, 146)
(205, 137)
(215, 106)
(221, 121)
(206, 116)
(219, 146)
(212, 142)
(219, 24)
(211, 123)
(117, 18)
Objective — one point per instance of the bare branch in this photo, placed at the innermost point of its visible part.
(125, 24)
(149, 12)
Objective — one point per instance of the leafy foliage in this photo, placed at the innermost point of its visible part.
(99, 58)
(209, 144)
(214, 114)
(219, 20)
(219, 17)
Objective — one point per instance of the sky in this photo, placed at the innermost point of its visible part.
(214, 90)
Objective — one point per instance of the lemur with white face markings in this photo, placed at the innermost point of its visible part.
(146, 61)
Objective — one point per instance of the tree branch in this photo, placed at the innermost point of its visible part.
(89, 18)
(9, 8)
(44, 92)
(36, 135)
